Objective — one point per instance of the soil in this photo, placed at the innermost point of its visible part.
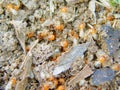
(59, 45)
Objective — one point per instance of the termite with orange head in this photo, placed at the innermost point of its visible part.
(81, 28)
(101, 61)
(12, 8)
(92, 31)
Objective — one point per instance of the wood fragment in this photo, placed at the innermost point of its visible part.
(84, 73)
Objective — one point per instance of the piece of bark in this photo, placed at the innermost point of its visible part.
(84, 73)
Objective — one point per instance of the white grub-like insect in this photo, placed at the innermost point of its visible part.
(69, 57)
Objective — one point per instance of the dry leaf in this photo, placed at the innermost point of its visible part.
(69, 57)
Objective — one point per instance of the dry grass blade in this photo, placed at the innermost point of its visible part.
(21, 84)
(21, 37)
(19, 30)
(29, 53)
(51, 7)
(92, 8)
(104, 3)
(27, 66)
(84, 73)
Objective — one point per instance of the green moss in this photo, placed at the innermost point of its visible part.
(115, 2)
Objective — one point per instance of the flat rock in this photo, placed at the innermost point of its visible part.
(103, 75)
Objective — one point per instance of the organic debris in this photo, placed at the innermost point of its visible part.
(69, 57)
(59, 44)
(27, 66)
(92, 8)
(19, 33)
(105, 3)
(84, 73)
